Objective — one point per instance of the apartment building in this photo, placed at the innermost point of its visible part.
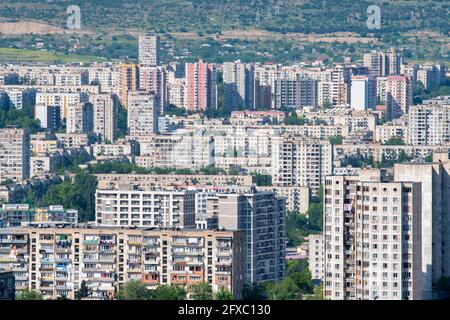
(17, 215)
(385, 132)
(142, 113)
(61, 100)
(372, 238)
(133, 206)
(105, 109)
(429, 124)
(399, 96)
(108, 181)
(177, 151)
(239, 85)
(435, 217)
(49, 116)
(14, 154)
(44, 164)
(128, 81)
(297, 197)
(316, 257)
(55, 261)
(295, 93)
(301, 161)
(80, 118)
(363, 93)
(201, 84)
(260, 215)
(149, 50)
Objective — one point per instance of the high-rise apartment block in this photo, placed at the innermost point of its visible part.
(239, 85)
(381, 64)
(428, 124)
(399, 96)
(372, 238)
(260, 215)
(49, 116)
(435, 217)
(129, 81)
(142, 113)
(363, 93)
(80, 118)
(301, 161)
(14, 154)
(295, 93)
(56, 261)
(149, 50)
(105, 109)
(201, 86)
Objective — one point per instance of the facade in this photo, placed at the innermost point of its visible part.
(363, 93)
(300, 161)
(201, 86)
(106, 258)
(372, 238)
(239, 85)
(149, 50)
(142, 113)
(129, 81)
(429, 124)
(48, 116)
(80, 118)
(399, 96)
(435, 217)
(260, 215)
(14, 154)
(316, 256)
(295, 93)
(105, 109)
(17, 215)
(130, 206)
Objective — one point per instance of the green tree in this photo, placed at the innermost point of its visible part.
(252, 291)
(202, 291)
(286, 289)
(83, 292)
(29, 295)
(172, 292)
(262, 179)
(134, 290)
(317, 295)
(223, 294)
(336, 139)
(395, 141)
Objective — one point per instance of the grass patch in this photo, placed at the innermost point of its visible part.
(18, 55)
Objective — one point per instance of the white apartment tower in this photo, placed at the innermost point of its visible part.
(301, 161)
(149, 50)
(14, 154)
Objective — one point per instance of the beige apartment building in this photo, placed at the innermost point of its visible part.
(55, 261)
(14, 154)
(372, 238)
